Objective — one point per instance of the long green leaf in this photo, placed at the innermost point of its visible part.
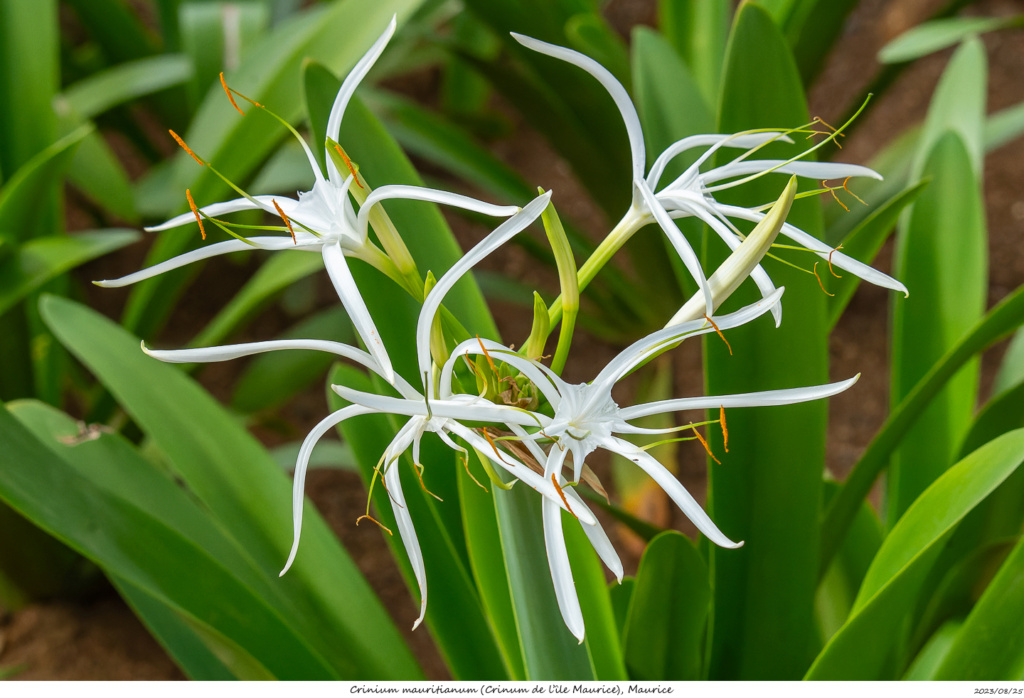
(668, 612)
(698, 30)
(860, 649)
(938, 34)
(205, 445)
(91, 96)
(767, 492)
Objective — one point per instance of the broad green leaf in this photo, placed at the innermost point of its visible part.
(621, 596)
(864, 241)
(454, 612)
(698, 30)
(116, 27)
(205, 446)
(590, 33)
(990, 644)
(271, 74)
(98, 174)
(941, 256)
(663, 638)
(273, 378)
(125, 82)
(931, 655)
(767, 492)
(860, 648)
(1003, 319)
(215, 36)
(1004, 126)
(275, 275)
(38, 261)
(812, 29)
(143, 550)
(938, 34)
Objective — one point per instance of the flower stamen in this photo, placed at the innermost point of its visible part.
(185, 147)
(704, 443)
(287, 222)
(834, 250)
(851, 193)
(815, 272)
(227, 91)
(832, 191)
(419, 473)
(367, 516)
(195, 212)
(719, 332)
(725, 428)
(554, 481)
(349, 165)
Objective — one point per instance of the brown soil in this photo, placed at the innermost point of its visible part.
(100, 639)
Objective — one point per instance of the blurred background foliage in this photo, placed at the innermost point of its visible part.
(115, 466)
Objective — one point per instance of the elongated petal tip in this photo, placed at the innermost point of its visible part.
(733, 546)
(145, 350)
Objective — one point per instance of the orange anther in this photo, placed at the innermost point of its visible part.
(727, 345)
(284, 217)
(367, 516)
(419, 473)
(705, 445)
(815, 271)
(554, 481)
(484, 350)
(227, 91)
(490, 440)
(725, 429)
(185, 147)
(832, 191)
(195, 212)
(348, 164)
(851, 193)
(834, 250)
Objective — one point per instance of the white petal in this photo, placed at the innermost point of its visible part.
(746, 140)
(219, 209)
(502, 234)
(543, 378)
(406, 191)
(483, 411)
(679, 242)
(676, 492)
(750, 140)
(764, 398)
(814, 170)
(218, 248)
(597, 537)
(561, 572)
(348, 292)
(638, 352)
(812, 243)
(408, 533)
(234, 351)
(608, 81)
(348, 88)
(302, 463)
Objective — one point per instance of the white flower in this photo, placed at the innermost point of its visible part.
(322, 219)
(586, 418)
(692, 193)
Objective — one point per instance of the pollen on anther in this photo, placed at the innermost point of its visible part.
(287, 222)
(719, 332)
(725, 429)
(847, 188)
(554, 481)
(834, 250)
(832, 191)
(815, 272)
(185, 147)
(348, 164)
(704, 443)
(195, 212)
(231, 98)
(367, 516)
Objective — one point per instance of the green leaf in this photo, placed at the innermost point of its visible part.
(139, 547)
(864, 241)
(938, 34)
(941, 256)
(236, 145)
(205, 446)
(698, 30)
(215, 36)
(126, 82)
(663, 638)
(990, 644)
(116, 27)
(96, 172)
(768, 490)
(812, 29)
(859, 650)
(590, 33)
(931, 656)
(997, 324)
(38, 261)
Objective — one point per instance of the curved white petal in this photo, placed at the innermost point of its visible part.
(838, 259)
(408, 534)
(234, 351)
(679, 242)
(348, 88)
(637, 352)
(407, 191)
(217, 248)
(608, 82)
(674, 489)
(502, 234)
(301, 465)
(597, 537)
(219, 209)
(764, 398)
(348, 292)
(543, 378)
(814, 170)
(758, 275)
(749, 140)
(561, 572)
(483, 411)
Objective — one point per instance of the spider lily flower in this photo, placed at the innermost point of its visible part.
(586, 418)
(322, 220)
(692, 193)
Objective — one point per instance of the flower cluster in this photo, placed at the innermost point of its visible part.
(543, 441)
